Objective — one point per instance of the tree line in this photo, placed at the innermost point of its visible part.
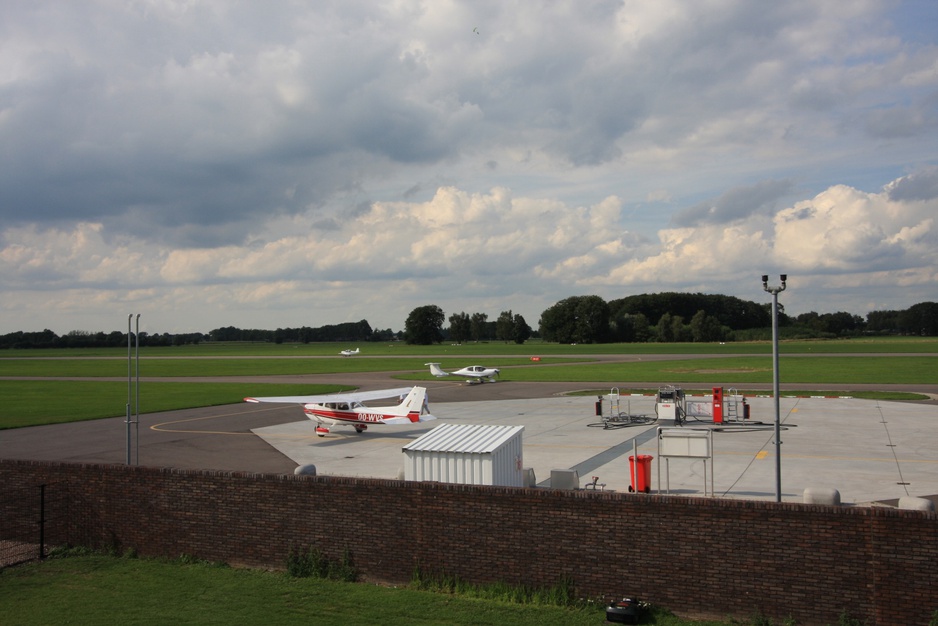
(424, 326)
(659, 317)
(665, 317)
(345, 332)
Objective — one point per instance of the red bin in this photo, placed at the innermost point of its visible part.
(640, 473)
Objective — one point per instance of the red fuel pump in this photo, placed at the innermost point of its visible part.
(718, 405)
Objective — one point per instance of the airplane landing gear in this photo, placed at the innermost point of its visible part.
(361, 429)
(322, 432)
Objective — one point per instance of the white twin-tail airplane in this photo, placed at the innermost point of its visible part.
(346, 409)
(473, 373)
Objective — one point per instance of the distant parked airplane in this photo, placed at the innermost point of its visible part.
(473, 374)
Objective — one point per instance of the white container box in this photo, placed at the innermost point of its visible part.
(467, 454)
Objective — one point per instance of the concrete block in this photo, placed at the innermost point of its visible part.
(305, 470)
(916, 504)
(564, 479)
(822, 495)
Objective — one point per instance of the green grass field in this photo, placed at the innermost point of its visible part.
(799, 370)
(246, 365)
(111, 590)
(903, 345)
(885, 361)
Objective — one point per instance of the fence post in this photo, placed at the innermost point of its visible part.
(42, 522)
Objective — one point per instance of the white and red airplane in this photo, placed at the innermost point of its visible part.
(473, 374)
(346, 409)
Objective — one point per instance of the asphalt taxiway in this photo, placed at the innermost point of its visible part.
(866, 450)
(869, 451)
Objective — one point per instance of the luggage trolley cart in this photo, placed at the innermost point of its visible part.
(618, 418)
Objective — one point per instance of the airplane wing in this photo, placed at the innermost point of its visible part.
(350, 396)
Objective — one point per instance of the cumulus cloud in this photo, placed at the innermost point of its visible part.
(521, 252)
(841, 236)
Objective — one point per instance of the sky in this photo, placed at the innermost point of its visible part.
(283, 163)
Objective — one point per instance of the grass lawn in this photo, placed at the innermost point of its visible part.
(111, 590)
(903, 345)
(886, 370)
(245, 366)
(886, 361)
(36, 402)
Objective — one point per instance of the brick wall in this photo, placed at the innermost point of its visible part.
(696, 556)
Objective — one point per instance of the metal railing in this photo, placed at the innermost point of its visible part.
(28, 514)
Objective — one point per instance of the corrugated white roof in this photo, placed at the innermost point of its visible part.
(464, 438)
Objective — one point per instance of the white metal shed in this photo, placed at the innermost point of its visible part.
(467, 454)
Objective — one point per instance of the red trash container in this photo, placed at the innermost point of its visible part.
(640, 473)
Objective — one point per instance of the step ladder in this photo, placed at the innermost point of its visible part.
(731, 406)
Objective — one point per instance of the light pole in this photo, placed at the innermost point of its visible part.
(130, 335)
(137, 390)
(778, 436)
(133, 339)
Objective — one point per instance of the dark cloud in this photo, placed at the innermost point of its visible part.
(735, 204)
(899, 122)
(922, 185)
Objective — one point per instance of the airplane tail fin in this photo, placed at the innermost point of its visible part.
(414, 408)
(435, 369)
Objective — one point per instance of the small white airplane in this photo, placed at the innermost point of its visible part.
(349, 352)
(346, 409)
(473, 374)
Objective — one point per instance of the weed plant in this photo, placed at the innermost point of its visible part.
(562, 594)
(312, 563)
